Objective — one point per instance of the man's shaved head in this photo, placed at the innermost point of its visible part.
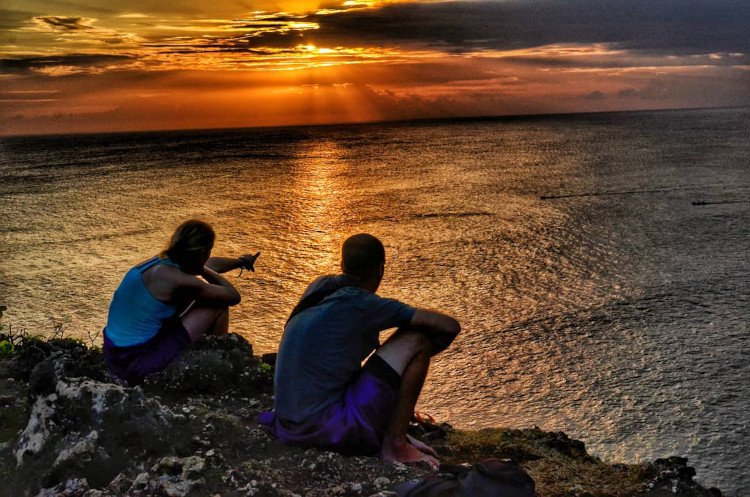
(361, 254)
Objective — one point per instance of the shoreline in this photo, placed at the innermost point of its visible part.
(191, 430)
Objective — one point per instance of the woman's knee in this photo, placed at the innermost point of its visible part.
(200, 320)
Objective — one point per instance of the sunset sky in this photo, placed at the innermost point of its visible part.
(74, 66)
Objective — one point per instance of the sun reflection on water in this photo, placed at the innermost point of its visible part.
(317, 218)
(306, 230)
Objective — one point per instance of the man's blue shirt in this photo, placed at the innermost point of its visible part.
(323, 347)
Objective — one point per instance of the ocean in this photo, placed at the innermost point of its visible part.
(598, 263)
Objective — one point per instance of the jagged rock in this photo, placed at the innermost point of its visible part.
(381, 482)
(188, 467)
(192, 429)
(564, 444)
(249, 472)
(78, 457)
(324, 466)
(211, 366)
(119, 485)
(265, 489)
(171, 476)
(578, 491)
(39, 429)
(91, 429)
(672, 476)
(42, 363)
(29, 355)
(348, 489)
(75, 487)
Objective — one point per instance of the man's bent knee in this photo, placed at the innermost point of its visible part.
(403, 346)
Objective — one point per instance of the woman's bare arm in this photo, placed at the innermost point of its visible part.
(218, 289)
(224, 264)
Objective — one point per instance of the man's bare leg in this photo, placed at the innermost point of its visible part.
(408, 352)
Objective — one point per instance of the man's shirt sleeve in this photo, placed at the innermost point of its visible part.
(382, 313)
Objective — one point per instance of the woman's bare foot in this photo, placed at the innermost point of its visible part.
(421, 446)
(406, 453)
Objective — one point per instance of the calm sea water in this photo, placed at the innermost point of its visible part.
(617, 311)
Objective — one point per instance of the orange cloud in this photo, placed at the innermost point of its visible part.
(156, 66)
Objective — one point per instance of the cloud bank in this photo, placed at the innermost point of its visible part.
(378, 60)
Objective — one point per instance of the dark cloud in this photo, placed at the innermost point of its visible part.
(653, 90)
(595, 95)
(674, 26)
(65, 24)
(623, 60)
(267, 44)
(23, 65)
(654, 29)
(628, 93)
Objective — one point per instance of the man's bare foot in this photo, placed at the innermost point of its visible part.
(406, 453)
(421, 446)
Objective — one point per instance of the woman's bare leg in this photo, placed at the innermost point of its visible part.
(201, 321)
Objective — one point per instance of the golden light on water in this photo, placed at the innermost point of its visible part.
(320, 203)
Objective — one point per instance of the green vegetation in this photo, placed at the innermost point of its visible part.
(13, 341)
(6, 346)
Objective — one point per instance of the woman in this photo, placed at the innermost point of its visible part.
(162, 305)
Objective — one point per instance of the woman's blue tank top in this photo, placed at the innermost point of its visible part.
(135, 316)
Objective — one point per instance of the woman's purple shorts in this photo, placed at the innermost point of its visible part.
(132, 364)
(355, 424)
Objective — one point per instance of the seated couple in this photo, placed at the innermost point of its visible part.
(324, 397)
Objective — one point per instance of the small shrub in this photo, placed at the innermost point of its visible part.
(7, 349)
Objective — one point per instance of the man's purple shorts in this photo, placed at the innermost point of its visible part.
(133, 364)
(355, 424)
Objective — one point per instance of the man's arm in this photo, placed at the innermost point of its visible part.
(441, 328)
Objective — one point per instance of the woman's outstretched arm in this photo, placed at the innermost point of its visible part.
(224, 264)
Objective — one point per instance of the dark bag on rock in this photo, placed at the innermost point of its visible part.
(489, 478)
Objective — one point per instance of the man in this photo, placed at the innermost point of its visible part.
(324, 396)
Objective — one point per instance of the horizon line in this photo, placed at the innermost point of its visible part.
(498, 117)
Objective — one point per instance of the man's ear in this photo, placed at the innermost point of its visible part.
(381, 270)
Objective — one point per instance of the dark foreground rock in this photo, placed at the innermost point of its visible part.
(68, 429)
